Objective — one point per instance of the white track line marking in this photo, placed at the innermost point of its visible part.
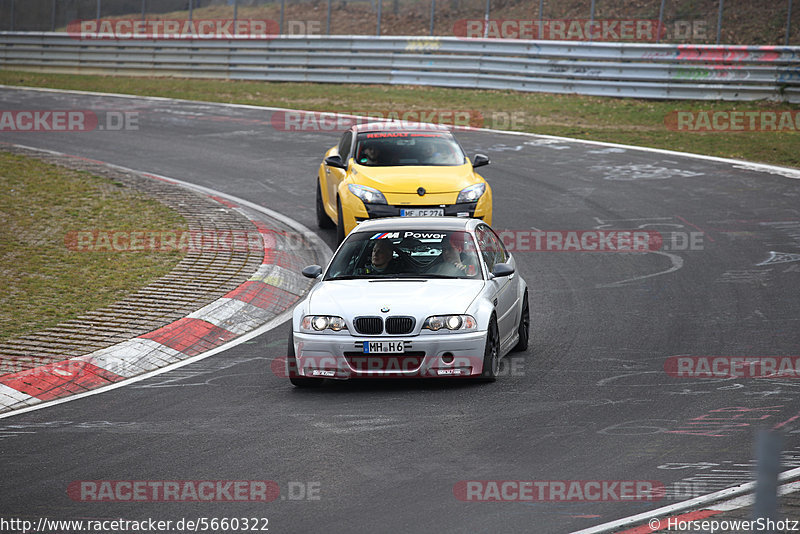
(697, 502)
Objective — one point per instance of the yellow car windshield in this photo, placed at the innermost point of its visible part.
(385, 149)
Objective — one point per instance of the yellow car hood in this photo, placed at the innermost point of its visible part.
(407, 179)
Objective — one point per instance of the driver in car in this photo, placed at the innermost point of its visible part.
(382, 260)
(451, 264)
(369, 155)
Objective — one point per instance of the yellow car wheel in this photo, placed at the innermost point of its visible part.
(339, 222)
(323, 221)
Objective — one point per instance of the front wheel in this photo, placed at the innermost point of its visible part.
(323, 221)
(524, 326)
(339, 223)
(491, 354)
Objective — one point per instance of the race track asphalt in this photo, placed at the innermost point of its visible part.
(589, 401)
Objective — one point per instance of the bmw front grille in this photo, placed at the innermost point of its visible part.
(369, 326)
(374, 326)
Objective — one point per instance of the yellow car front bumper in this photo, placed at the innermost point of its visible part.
(354, 210)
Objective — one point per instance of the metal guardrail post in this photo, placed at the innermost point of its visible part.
(486, 18)
(283, 9)
(53, 17)
(99, 10)
(144, 9)
(433, 13)
(235, 10)
(378, 30)
(719, 20)
(660, 22)
(328, 20)
(591, 20)
(788, 22)
(768, 458)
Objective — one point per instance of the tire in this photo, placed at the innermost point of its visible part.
(524, 326)
(323, 221)
(291, 370)
(339, 223)
(491, 354)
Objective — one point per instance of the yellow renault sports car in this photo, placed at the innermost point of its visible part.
(390, 169)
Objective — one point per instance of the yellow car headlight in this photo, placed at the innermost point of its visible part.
(369, 195)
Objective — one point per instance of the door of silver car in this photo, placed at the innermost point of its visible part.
(504, 288)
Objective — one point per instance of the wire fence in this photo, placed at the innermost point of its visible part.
(767, 22)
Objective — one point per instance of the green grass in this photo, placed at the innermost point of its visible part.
(44, 282)
(629, 121)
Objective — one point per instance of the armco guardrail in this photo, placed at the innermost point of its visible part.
(704, 72)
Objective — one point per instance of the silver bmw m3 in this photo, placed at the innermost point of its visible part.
(410, 297)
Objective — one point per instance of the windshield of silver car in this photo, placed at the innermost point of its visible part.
(406, 254)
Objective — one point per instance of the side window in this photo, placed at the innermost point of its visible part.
(344, 145)
(485, 245)
(492, 248)
(502, 253)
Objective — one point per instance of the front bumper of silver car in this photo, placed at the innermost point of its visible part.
(424, 356)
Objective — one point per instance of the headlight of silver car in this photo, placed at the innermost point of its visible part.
(320, 323)
(369, 195)
(471, 193)
(453, 323)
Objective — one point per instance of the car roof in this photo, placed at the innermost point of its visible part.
(398, 126)
(389, 224)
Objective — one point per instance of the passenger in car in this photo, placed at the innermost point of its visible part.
(451, 263)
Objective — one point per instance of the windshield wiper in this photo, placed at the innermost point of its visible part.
(421, 275)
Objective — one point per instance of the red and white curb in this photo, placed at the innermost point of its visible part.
(267, 295)
(699, 508)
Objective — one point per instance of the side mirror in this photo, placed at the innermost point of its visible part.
(502, 269)
(312, 271)
(480, 160)
(335, 161)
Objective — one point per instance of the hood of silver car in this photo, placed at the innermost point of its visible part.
(417, 298)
